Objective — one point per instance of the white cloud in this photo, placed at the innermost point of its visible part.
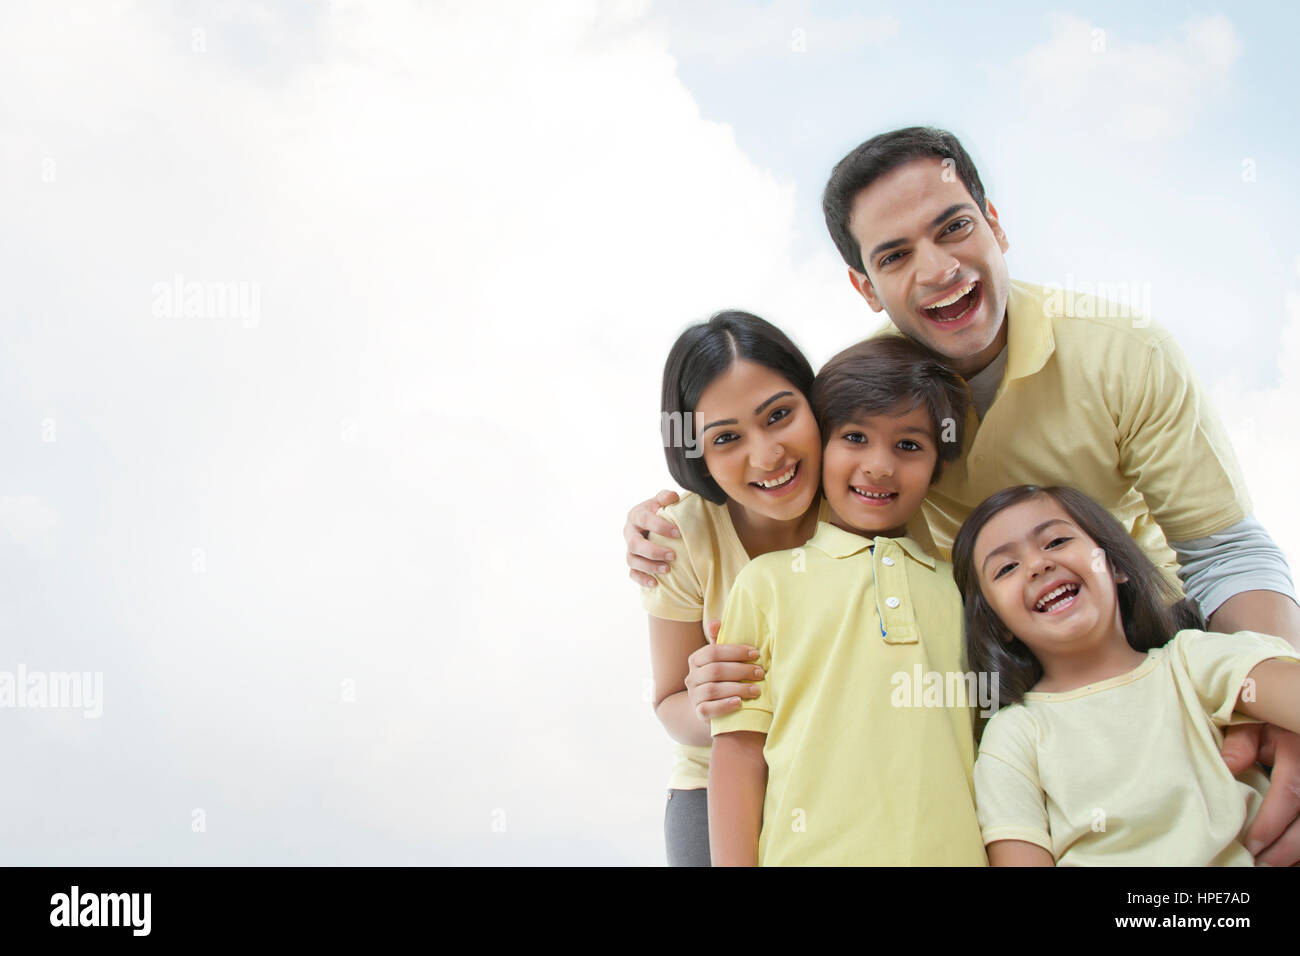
(1097, 81)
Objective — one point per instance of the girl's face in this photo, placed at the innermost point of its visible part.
(760, 440)
(1046, 579)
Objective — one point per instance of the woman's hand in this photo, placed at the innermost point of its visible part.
(1273, 837)
(644, 558)
(715, 682)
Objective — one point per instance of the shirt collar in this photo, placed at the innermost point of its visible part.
(839, 543)
(1030, 341)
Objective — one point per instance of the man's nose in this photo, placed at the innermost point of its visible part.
(936, 267)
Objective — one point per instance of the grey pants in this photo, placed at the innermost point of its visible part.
(686, 827)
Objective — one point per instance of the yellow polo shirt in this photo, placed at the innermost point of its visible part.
(1105, 404)
(863, 768)
(695, 588)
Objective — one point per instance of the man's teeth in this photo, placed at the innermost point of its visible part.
(1052, 595)
(873, 494)
(779, 479)
(952, 298)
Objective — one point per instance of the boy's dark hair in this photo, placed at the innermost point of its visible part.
(700, 355)
(1145, 599)
(877, 156)
(875, 376)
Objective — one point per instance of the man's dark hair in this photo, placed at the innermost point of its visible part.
(877, 156)
(876, 376)
(700, 355)
(1146, 600)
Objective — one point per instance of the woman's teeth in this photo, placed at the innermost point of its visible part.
(1056, 596)
(780, 479)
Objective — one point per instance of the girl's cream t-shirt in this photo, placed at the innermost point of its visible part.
(1127, 772)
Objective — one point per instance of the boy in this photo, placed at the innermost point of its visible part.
(830, 765)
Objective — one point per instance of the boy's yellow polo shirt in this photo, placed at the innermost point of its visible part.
(860, 771)
(1106, 404)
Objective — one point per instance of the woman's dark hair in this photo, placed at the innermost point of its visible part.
(1145, 599)
(877, 156)
(873, 377)
(700, 355)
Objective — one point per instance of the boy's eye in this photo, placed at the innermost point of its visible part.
(908, 445)
(855, 437)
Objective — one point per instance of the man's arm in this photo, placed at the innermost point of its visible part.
(737, 786)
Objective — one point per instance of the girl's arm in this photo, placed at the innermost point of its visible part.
(1018, 853)
(737, 785)
(1271, 693)
(671, 643)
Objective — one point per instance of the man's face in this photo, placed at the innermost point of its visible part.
(934, 262)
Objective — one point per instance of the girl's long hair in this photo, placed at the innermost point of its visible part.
(1149, 605)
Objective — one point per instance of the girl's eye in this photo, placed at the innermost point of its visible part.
(908, 445)
(1055, 541)
(779, 414)
(1003, 570)
(956, 225)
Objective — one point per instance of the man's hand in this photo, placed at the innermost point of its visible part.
(1273, 838)
(714, 683)
(643, 557)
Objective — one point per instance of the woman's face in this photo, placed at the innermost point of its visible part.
(1048, 582)
(760, 440)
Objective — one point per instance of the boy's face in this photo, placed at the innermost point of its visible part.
(925, 242)
(876, 471)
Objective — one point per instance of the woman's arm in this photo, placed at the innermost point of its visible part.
(737, 786)
(1018, 853)
(671, 645)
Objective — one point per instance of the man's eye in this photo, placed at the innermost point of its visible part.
(1003, 570)
(889, 258)
(956, 225)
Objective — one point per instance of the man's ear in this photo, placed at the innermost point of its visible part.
(863, 286)
(991, 214)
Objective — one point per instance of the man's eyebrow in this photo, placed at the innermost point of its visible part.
(1011, 544)
(757, 411)
(934, 224)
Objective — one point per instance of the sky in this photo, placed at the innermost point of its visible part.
(332, 335)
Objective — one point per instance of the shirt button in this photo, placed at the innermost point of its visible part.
(887, 562)
(891, 602)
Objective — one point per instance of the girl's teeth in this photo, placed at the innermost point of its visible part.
(1047, 599)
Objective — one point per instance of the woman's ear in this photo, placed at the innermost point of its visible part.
(1120, 576)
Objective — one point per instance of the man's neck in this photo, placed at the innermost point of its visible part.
(969, 367)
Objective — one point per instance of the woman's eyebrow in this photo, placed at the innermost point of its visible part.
(757, 411)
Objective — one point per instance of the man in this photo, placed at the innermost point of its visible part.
(1061, 396)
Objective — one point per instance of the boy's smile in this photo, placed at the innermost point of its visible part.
(876, 471)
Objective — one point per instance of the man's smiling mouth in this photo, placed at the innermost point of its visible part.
(954, 306)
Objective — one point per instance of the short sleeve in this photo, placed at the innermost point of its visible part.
(1166, 422)
(1217, 665)
(679, 595)
(746, 621)
(1009, 800)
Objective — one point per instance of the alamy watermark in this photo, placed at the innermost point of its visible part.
(947, 689)
(53, 690)
(1100, 300)
(192, 299)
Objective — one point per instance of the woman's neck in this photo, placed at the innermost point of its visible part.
(760, 534)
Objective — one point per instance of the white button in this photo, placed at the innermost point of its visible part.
(891, 602)
(887, 562)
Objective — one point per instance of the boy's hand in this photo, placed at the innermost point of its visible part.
(717, 670)
(1273, 837)
(644, 558)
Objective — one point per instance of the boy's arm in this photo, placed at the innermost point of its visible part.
(737, 785)
(1271, 693)
(1018, 853)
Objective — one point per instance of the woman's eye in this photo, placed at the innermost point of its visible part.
(956, 225)
(779, 414)
(726, 438)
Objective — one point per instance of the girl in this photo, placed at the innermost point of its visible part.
(740, 437)
(1108, 752)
